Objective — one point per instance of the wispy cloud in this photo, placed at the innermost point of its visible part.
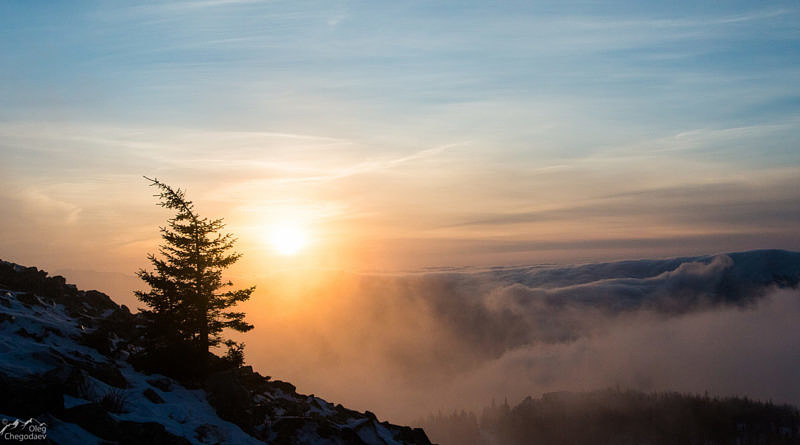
(182, 6)
(375, 165)
(45, 206)
(683, 22)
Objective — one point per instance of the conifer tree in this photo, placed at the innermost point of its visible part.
(188, 300)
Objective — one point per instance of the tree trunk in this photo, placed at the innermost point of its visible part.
(204, 338)
(202, 301)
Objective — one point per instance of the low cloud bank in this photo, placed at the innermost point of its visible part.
(406, 345)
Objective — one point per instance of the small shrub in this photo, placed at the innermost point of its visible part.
(235, 354)
(83, 387)
(115, 401)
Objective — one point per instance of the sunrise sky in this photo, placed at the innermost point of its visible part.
(401, 135)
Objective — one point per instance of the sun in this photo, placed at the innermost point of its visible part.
(288, 239)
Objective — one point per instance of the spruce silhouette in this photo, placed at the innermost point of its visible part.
(188, 300)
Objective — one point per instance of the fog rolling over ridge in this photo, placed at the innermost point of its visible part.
(405, 345)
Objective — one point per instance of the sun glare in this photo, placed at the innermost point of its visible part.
(288, 239)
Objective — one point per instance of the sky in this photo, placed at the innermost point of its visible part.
(402, 135)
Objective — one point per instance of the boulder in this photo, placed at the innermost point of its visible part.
(286, 387)
(207, 433)
(150, 433)
(30, 397)
(287, 429)
(93, 418)
(412, 435)
(108, 374)
(28, 299)
(152, 396)
(162, 383)
(98, 300)
(231, 399)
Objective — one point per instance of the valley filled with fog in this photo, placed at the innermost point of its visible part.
(405, 345)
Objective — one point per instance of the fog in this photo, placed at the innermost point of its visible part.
(405, 345)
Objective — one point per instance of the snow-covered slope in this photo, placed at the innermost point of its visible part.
(64, 362)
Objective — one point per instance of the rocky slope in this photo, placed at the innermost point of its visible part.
(66, 377)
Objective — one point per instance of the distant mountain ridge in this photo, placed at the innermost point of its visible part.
(757, 266)
(64, 361)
